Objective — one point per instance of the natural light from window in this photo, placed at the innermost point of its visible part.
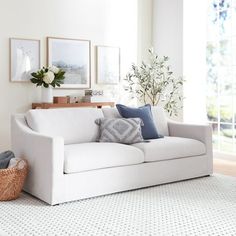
(221, 73)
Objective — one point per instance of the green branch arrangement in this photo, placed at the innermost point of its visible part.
(48, 76)
(154, 83)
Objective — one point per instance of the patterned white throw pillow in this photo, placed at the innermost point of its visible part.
(120, 130)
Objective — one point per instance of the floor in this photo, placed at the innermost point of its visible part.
(202, 206)
(226, 167)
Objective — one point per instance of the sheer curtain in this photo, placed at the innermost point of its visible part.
(221, 73)
(209, 45)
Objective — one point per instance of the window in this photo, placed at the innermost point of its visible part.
(221, 73)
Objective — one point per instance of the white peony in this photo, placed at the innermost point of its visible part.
(54, 69)
(48, 77)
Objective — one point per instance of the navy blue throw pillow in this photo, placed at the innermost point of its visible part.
(149, 130)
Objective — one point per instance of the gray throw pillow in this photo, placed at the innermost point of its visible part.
(120, 130)
(5, 158)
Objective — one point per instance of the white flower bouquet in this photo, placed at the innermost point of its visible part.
(48, 76)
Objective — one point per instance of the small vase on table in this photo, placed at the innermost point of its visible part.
(48, 78)
(46, 95)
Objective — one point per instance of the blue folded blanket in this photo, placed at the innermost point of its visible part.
(5, 158)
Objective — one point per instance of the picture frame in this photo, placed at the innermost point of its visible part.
(74, 57)
(108, 65)
(24, 58)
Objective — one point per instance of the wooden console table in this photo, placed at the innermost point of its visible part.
(69, 105)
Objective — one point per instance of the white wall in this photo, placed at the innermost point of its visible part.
(194, 55)
(104, 22)
(145, 29)
(168, 33)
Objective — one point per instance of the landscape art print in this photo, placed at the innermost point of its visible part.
(73, 56)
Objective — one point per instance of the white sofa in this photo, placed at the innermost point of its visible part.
(67, 164)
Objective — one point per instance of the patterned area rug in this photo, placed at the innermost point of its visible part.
(203, 206)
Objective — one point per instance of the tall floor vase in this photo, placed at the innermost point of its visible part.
(46, 95)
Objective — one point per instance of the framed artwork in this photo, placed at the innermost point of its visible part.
(108, 65)
(73, 56)
(24, 58)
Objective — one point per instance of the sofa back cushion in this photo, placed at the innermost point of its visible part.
(160, 120)
(158, 114)
(75, 125)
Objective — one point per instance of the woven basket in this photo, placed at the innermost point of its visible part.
(12, 181)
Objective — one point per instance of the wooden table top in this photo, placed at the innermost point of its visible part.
(68, 105)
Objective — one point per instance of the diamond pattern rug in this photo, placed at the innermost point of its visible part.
(203, 206)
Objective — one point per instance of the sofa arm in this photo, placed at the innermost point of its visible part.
(201, 133)
(45, 156)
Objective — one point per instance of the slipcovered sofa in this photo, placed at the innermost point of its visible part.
(67, 164)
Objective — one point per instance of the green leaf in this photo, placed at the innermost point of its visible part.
(149, 80)
(34, 81)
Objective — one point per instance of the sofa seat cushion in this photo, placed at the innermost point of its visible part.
(91, 156)
(170, 148)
